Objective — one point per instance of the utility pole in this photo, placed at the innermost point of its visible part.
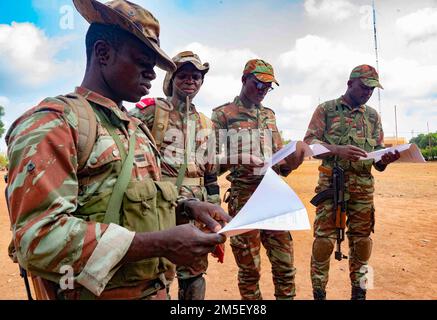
(376, 53)
(396, 126)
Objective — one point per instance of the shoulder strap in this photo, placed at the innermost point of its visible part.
(87, 125)
(160, 121)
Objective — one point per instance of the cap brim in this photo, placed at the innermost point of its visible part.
(372, 83)
(166, 87)
(201, 67)
(97, 12)
(265, 77)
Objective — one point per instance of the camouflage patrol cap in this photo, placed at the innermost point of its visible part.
(180, 60)
(367, 74)
(262, 70)
(129, 17)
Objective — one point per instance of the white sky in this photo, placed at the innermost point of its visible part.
(312, 44)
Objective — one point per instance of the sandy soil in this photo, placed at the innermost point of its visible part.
(404, 256)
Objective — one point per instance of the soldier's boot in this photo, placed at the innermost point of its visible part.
(319, 294)
(358, 293)
(192, 288)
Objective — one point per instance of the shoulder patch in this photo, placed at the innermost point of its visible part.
(222, 106)
(270, 110)
(144, 103)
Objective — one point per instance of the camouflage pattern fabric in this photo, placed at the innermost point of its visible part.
(365, 132)
(131, 18)
(261, 69)
(170, 168)
(367, 74)
(246, 247)
(46, 192)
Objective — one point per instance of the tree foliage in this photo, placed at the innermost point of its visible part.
(423, 142)
(2, 126)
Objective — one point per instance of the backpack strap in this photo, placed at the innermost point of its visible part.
(87, 125)
(160, 122)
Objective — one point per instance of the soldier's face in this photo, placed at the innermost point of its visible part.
(187, 81)
(251, 91)
(130, 72)
(359, 93)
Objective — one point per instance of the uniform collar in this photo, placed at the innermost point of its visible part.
(119, 112)
(243, 108)
(181, 107)
(361, 108)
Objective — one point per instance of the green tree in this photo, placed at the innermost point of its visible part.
(3, 161)
(2, 126)
(422, 140)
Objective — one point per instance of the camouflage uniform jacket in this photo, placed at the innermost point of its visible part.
(234, 116)
(45, 190)
(172, 148)
(335, 122)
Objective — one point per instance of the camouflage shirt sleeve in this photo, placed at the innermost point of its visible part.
(146, 115)
(378, 133)
(219, 123)
(42, 193)
(316, 128)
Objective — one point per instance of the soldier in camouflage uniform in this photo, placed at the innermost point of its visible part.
(200, 180)
(348, 128)
(246, 114)
(108, 216)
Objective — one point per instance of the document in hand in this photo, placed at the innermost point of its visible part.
(409, 153)
(273, 206)
(310, 151)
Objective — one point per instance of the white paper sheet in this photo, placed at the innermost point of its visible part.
(409, 153)
(310, 151)
(273, 206)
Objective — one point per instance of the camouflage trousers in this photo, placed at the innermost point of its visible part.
(360, 224)
(246, 250)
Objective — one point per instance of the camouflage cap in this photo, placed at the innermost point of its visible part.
(130, 17)
(262, 70)
(367, 74)
(180, 60)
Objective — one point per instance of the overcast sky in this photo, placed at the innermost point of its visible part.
(313, 45)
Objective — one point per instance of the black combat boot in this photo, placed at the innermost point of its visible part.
(358, 293)
(192, 289)
(319, 294)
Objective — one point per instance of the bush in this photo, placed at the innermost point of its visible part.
(3, 162)
(430, 154)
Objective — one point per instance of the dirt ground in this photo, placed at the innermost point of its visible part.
(404, 255)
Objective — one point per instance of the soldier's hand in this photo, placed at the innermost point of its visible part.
(349, 152)
(211, 215)
(389, 157)
(295, 159)
(186, 243)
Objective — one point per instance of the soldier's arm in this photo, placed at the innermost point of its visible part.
(211, 172)
(316, 127)
(386, 159)
(219, 123)
(42, 193)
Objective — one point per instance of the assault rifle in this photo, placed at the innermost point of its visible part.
(336, 193)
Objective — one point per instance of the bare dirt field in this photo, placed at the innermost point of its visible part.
(404, 258)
